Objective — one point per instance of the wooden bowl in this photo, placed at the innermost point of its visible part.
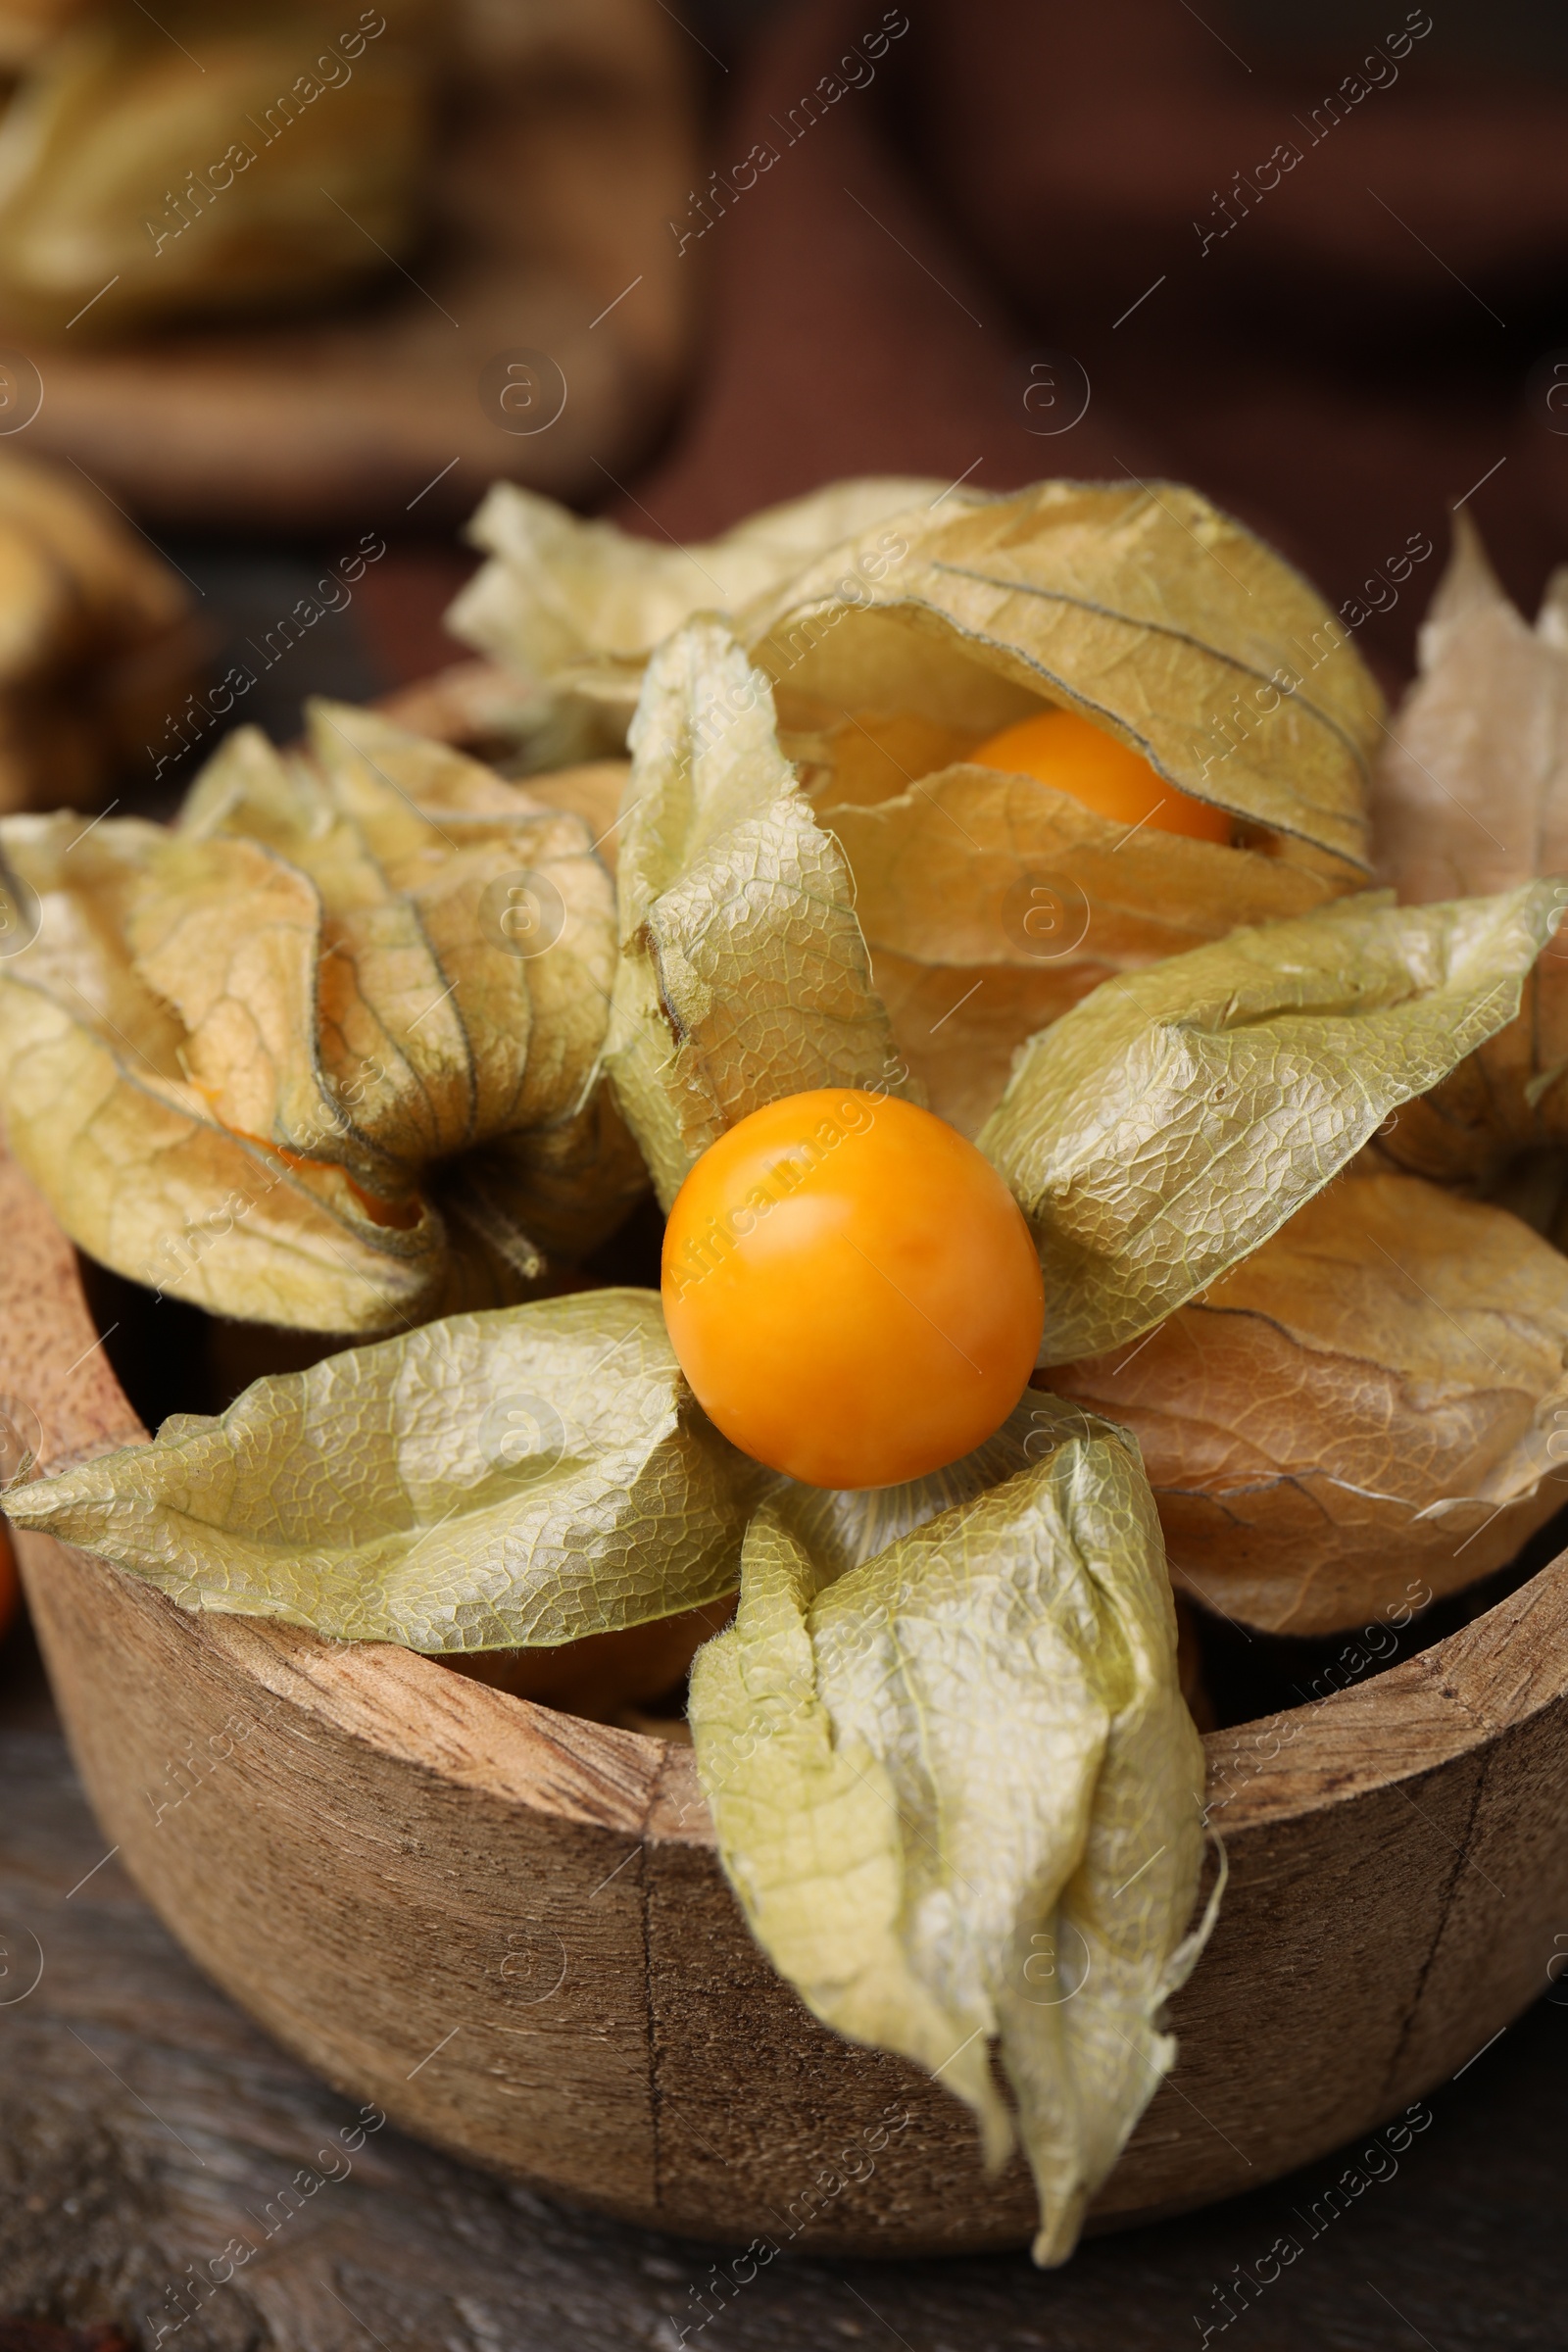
(509, 1927)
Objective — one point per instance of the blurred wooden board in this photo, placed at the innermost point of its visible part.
(569, 142)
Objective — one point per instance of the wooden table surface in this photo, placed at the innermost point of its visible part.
(145, 2123)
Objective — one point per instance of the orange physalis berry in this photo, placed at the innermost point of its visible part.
(851, 1288)
(1059, 747)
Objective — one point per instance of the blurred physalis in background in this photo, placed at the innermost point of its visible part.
(220, 160)
(97, 640)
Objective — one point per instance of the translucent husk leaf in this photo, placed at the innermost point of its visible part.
(743, 974)
(908, 625)
(594, 790)
(960, 1796)
(519, 1478)
(1003, 897)
(136, 185)
(1140, 606)
(559, 594)
(248, 1058)
(1168, 1125)
(1471, 794)
(1370, 1411)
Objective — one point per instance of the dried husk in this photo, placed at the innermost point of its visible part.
(135, 183)
(478, 1484)
(561, 597)
(743, 975)
(960, 1796)
(1375, 1402)
(1471, 792)
(902, 623)
(1164, 1129)
(990, 903)
(1140, 606)
(277, 1061)
(1371, 1403)
(1147, 611)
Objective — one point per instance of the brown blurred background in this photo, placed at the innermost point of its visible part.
(1310, 257)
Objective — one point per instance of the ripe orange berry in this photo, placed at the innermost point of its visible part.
(851, 1288)
(1059, 747)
